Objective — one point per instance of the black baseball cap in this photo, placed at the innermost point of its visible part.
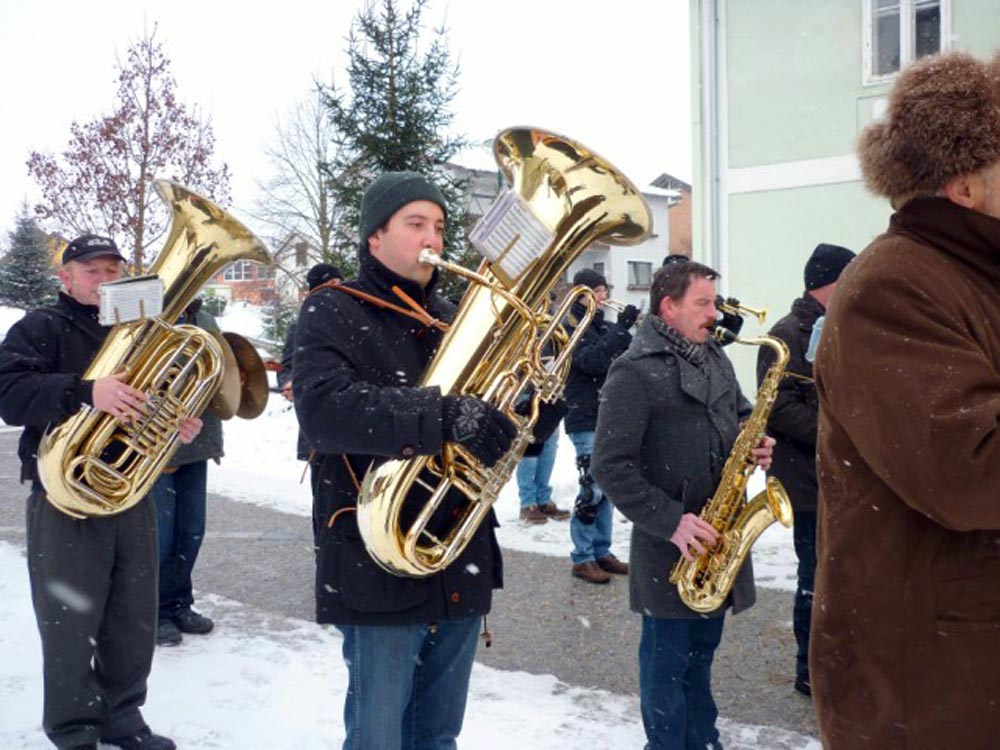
(90, 246)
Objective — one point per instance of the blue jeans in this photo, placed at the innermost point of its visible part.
(407, 684)
(180, 526)
(675, 682)
(534, 472)
(592, 541)
(804, 536)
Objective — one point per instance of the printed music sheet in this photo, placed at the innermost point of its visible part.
(131, 299)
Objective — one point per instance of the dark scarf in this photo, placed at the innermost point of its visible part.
(696, 354)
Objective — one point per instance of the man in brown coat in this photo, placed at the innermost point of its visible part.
(905, 648)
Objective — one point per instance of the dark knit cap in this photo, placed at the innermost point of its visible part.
(589, 277)
(390, 192)
(90, 246)
(322, 273)
(825, 265)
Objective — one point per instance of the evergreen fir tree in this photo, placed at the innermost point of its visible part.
(277, 317)
(394, 119)
(27, 278)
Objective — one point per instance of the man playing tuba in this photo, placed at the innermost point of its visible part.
(93, 580)
(361, 347)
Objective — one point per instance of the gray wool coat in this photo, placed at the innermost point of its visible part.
(665, 428)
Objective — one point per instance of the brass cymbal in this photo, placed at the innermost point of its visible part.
(226, 400)
(252, 375)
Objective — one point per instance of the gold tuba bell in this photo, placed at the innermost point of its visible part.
(504, 343)
(92, 464)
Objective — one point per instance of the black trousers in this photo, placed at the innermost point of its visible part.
(94, 590)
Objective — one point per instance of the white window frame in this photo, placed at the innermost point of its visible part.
(906, 31)
(628, 272)
(239, 270)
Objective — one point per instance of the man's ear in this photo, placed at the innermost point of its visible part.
(667, 310)
(965, 190)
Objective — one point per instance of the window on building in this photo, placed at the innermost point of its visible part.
(900, 31)
(599, 267)
(640, 274)
(241, 270)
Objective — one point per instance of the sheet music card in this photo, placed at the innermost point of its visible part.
(131, 299)
(510, 235)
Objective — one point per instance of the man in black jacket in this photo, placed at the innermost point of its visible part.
(93, 580)
(793, 422)
(361, 348)
(590, 527)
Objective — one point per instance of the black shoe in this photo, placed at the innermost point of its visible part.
(144, 739)
(803, 686)
(167, 633)
(189, 621)
(85, 746)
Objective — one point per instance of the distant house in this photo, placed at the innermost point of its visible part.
(678, 213)
(256, 284)
(783, 89)
(629, 269)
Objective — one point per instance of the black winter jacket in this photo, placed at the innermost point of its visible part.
(41, 361)
(357, 366)
(601, 343)
(793, 419)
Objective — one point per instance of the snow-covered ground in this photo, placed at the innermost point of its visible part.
(262, 681)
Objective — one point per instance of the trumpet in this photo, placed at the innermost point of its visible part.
(732, 306)
(615, 305)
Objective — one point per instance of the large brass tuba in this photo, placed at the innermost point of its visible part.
(704, 584)
(498, 347)
(92, 464)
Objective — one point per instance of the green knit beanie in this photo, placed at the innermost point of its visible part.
(390, 192)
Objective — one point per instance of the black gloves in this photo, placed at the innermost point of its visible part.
(549, 417)
(730, 321)
(478, 427)
(585, 508)
(628, 316)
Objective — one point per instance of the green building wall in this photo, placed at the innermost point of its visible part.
(793, 87)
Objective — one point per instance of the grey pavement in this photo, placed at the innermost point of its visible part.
(544, 621)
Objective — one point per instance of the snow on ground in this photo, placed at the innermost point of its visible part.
(265, 682)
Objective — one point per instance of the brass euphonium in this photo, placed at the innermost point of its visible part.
(704, 584)
(93, 465)
(503, 344)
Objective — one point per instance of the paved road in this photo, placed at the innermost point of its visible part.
(544, 621)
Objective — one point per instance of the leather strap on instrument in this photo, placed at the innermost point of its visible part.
(415, 311)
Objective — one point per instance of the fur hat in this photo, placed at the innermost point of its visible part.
(388, 193)
(589, 277)
(943, 121)
(825, 265)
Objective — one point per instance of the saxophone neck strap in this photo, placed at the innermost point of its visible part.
(414, 310)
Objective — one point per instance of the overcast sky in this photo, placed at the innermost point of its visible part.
(614, 76)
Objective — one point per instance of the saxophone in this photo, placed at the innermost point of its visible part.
(705, 583)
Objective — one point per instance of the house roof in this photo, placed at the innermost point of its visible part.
(669, 182)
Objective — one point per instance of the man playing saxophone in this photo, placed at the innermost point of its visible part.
(668, 418)
(361, 347)
(93, 580)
